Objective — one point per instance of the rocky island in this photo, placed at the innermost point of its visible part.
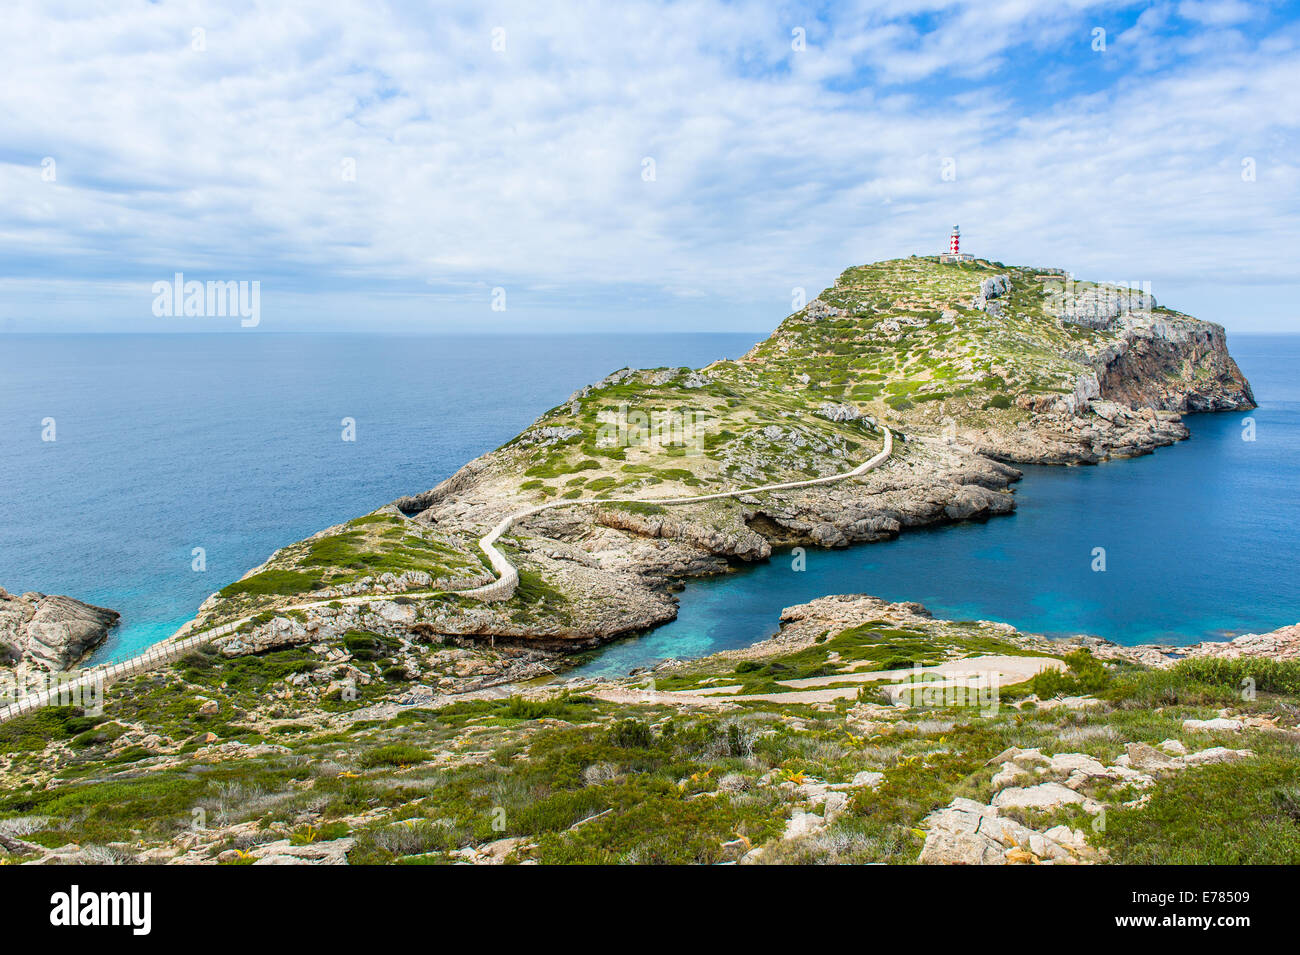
(974, 367)
(392, 689)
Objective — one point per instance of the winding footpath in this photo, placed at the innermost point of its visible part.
(504, 587)
(86, 688)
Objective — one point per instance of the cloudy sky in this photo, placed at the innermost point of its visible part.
(634, 166)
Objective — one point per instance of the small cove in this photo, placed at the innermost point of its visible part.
(1199, 542)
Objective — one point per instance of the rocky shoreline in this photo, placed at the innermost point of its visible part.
(54, 633)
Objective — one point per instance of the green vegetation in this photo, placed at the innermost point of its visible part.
(34, 731)
(272, 582)
(1085, 675)
(580, 779)
(1229, 814)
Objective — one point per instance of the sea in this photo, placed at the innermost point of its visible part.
(144, 472)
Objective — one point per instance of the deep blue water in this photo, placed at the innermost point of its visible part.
(232, 443)
(1201, 541)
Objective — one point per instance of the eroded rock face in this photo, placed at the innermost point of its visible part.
(1162, 366)
(1106, 430)
(50, 632)
(1173, 363)
(838, 411)
(990, 289)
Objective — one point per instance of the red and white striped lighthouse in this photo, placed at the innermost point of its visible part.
(954, 241)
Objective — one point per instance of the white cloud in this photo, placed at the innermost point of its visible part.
(1217, 12)
(524, 168)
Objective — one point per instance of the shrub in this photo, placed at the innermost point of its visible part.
(33, 731)
(1268, 676)
(732, 739)
(518, 708)
(364, 645)
(1225, 814)
(394, 754)
(631, 734)
(268, 582)
(1175, 686)
(1084, 675)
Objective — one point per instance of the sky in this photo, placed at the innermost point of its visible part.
(633, 166)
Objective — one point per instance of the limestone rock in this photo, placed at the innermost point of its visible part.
(284, 852)
(802, 824)
(832, 411)
(1215, 754)
(51, 632)
(968, 833)
(1148, 758)
(1216, 725)
(1042, 796)
(868, 780)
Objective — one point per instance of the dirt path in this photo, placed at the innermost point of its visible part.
(970, 675)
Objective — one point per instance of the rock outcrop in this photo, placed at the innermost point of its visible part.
(1129, 402)
(50, 632)
(1280, 644)
(1027, 781)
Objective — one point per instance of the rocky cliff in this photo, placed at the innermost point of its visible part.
(50, 632)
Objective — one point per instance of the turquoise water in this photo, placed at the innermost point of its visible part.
(232, 443)
(1200, 542)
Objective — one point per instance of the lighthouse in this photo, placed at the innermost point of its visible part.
(954, 253)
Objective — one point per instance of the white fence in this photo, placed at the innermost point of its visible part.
(73, 685)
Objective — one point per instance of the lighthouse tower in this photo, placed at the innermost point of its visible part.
(954, 253)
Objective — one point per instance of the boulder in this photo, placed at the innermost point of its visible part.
(803, 824)
(1042, 796)
(1217, 725)
(1148, 758)
(51, 632)
(1216, 754)
(284, 852)
(866, 779)
(968, 833)
(832, 411)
